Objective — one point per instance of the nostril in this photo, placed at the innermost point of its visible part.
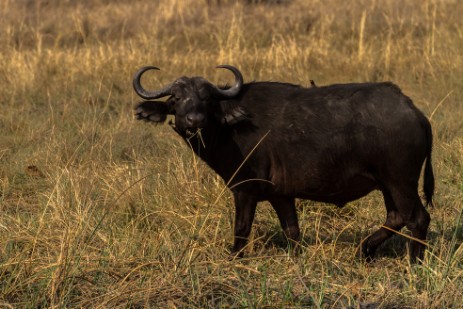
(194, 119)
(199, 118)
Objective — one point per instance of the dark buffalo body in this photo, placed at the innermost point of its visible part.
(331, 144)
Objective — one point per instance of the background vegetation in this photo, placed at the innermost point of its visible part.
(99, 210)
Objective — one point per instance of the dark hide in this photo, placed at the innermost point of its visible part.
(332, 144)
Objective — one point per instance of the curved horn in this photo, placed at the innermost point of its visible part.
(235, 89)
(145, 94)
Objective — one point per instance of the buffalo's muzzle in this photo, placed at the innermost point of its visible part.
(195, 120)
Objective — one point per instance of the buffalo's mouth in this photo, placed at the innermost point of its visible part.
(190, 129)
(186, 132)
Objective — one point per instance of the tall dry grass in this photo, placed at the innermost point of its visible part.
(98, 210)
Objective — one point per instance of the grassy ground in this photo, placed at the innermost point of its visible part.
(99, 210)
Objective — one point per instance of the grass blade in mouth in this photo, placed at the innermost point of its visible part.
(198, 133)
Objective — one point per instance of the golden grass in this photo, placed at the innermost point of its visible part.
(99, 210)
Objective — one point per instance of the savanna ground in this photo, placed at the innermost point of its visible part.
(99, 210)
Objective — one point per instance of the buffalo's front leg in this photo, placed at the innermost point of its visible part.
(245, 208)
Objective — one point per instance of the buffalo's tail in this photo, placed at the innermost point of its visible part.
(428, 183)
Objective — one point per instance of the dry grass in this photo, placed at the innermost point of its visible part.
(98, 210)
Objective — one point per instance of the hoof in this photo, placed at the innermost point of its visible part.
(368, 252)
(235, 255)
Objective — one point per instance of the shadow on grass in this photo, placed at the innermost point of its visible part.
(394, 247)
(268, 235)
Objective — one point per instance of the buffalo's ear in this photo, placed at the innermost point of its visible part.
(155, 111)
(231, 112)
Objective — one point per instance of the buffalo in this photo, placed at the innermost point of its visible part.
(275, 141)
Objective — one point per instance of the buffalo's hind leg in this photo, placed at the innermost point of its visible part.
(394, 222)
(418, 223)
(286, 211)
(415, 216)
(408, 211)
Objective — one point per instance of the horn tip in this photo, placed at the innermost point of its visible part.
(150, 67)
